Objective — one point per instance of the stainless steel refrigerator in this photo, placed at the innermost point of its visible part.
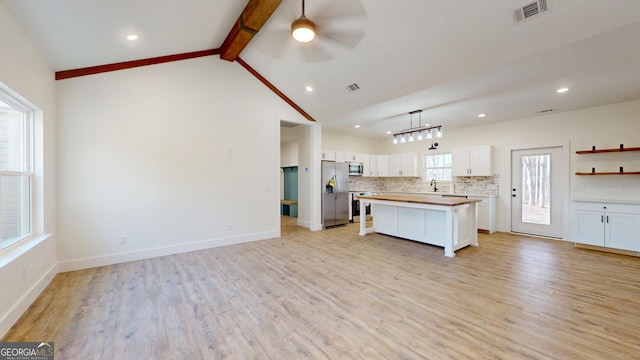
(335, 194)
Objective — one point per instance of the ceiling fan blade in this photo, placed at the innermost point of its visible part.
(333, 8)
(340, 25)
(273, 43)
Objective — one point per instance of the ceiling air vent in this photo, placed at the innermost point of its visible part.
(530, 10)
(353, 87)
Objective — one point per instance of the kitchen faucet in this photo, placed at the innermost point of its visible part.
(433, 183)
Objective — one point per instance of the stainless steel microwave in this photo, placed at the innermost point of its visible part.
(355, 169)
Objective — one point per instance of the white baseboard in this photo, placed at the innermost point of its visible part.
(11, 316)
(111, 259)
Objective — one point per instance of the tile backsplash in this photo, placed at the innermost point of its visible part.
(475, 185)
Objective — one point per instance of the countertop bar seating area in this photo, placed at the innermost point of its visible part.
(449, 222)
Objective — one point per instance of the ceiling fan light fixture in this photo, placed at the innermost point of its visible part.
(303, 30)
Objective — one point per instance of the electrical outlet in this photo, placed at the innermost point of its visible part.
(123, 239)
(229, 227)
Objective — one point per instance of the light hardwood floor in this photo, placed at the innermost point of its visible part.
(335, 295)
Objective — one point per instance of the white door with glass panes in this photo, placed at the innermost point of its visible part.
(536, 193)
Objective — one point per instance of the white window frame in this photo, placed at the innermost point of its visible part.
(14, 101)
(427, 176)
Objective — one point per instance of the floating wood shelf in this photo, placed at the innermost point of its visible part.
(609, 173)
(607, 150)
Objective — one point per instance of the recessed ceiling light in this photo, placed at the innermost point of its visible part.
(309, 89)
(132, 37)
(357, 126)
(389, 133)
(562, 90)
(482, 115)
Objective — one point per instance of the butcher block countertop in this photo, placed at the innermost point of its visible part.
(420, 199)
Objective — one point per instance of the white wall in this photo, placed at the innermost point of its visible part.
(289, 153)
(309, 194)
(177, 157)
(339, 142)
(26, 268)
(605, 127)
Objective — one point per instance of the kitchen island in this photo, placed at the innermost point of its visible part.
(449, 222)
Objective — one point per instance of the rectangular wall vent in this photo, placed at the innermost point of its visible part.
(530, 10)
(353, 87)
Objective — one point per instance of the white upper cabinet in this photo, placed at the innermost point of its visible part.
(351, 157)
(382, 162)
(373, 165)
(403, 164)
(364, 159)
(328, 155)
(472, 161)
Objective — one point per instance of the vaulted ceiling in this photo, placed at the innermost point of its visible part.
(452, 59)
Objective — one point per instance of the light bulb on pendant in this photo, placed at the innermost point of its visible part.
(302, 29)
(439, 133)
(395, 139)
(429, 134)
(411, 137)
(420, 137)
(402, 139)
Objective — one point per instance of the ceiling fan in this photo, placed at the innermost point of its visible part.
(338, 26)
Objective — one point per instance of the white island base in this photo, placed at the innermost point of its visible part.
(447, 222)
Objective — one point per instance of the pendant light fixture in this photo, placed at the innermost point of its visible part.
(417, 133)
(302, 29)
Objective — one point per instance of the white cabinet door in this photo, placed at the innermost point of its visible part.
(487, 213)
(341, 156)
(328, 155)
(351, 157)
(410, 164)
(383, 165)
(412, 223)
(483, 214)
(395, 165)
(364, 159)
(622, 231)
(589, 227)
(480, 161)
(473, 161)
(386, 219)
(460, 162)
(373, 165)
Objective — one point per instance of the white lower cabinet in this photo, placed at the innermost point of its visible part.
(615, 226)
(410, 223)
(487, 213)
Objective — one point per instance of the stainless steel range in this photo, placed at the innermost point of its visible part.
(354, 208)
